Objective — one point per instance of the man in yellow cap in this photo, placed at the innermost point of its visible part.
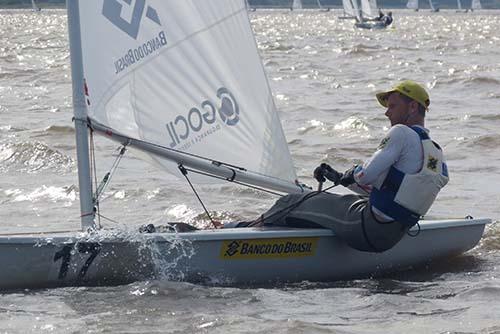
(394, 188)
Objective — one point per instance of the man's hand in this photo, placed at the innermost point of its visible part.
(348, 178)
(326, 171)
(319, 174)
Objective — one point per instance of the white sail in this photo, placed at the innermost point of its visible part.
(412, 4)
(476, 4)
(192, 85)
(319, 4)
(34, 6)
(369, 8)
(459, 5)
(434, 4)
(297, 4)
(351, 8)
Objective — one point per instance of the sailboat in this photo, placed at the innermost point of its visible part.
(296, 5)
(369, 9)
(459, 7)
(184, 84)
(412, 4)
(351, 10)
(321, 8)
(369, 16)
(475, 5)
(249, 8)
(434, 4)
(35, 6)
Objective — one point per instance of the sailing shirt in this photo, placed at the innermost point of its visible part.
(401, 148)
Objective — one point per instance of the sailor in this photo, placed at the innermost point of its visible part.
(387, 19)
(394, 187)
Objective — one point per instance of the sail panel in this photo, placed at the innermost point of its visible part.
(185, 75)
(476, 4)
(412, 4)
(369, 8)
(351, 8)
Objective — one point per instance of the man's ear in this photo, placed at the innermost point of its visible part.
(413, 106)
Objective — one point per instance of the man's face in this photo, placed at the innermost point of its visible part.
(397, 109)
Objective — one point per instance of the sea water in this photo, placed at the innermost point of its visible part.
(323, 73)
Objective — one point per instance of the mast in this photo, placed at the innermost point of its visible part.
(80, 114)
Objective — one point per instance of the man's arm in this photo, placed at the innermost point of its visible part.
(388, 153)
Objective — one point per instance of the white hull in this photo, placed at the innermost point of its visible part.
(216, 256)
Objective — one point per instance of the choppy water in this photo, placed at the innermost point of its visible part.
(323, 74)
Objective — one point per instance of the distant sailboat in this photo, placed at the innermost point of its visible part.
(297, 4)
(412, 4)
(247, 5)
(369, 9)
(321, 8)
(434, 5)
(351, 10)
(35, 7)
(475, 5)
(460, 8)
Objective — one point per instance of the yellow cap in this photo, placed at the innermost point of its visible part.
(409, 88)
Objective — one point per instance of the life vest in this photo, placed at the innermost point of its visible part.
(406, 197)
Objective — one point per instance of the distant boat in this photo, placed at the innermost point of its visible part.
(321, 8)
(460, 9)
(351, 10)
(412, 4)
(475, 5)
(434, 5)
(35, 7)
(297, 4)
(369, 9)
(247, 5)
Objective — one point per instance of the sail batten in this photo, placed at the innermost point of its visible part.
(185, 75)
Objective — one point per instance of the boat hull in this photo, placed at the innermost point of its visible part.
(244, 256)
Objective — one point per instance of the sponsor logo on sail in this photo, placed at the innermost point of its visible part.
(201, 121)
(268, 248)
(112, 10)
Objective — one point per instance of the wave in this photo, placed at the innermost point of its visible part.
(58, 130)
(51, 193)
(32, 157)
(491, 238)
(482, 80)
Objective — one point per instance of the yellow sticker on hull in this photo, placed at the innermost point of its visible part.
(268, 248)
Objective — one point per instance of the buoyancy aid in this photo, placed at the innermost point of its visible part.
(406, 197)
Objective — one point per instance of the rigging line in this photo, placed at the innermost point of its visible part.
(292, 206)
(185, 172)
(109, 219)
(233, 181)
(107, 178)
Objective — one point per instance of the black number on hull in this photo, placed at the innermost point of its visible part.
(65, 255)
(91, 248)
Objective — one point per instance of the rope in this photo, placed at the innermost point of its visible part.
(289, 208)
(185, 172)
(413, 235)
(107, 178)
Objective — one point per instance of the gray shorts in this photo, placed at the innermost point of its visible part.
(349, 216)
